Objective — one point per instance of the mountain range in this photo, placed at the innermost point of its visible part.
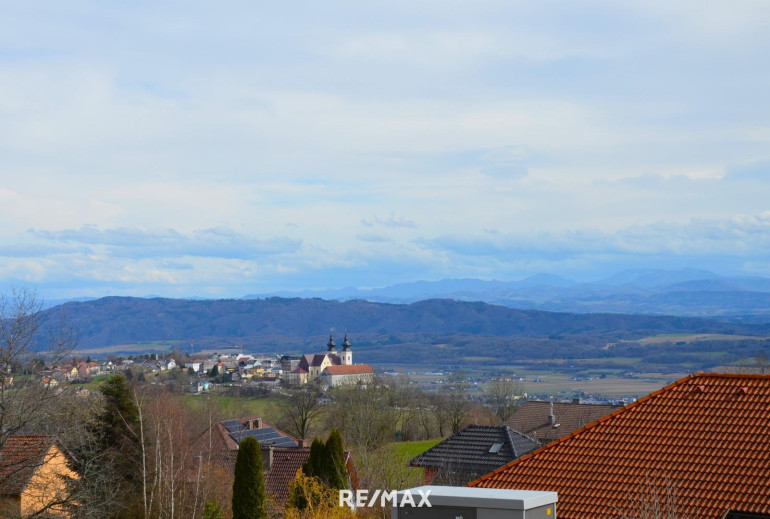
(685, 292)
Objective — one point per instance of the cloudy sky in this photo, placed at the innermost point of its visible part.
(218, 149)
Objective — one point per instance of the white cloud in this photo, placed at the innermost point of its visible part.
(294, 128)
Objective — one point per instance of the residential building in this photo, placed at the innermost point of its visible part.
(549, 421)
(33, 477)
(282, 454)
(701, 442)
(471, 453)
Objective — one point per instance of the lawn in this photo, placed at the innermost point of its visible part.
(412, 449)
(271, 408)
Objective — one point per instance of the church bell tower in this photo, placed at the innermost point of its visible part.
(347, 353)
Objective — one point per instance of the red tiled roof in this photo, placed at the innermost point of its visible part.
(706, 436)
(20, 456)
(355, 369)
(286, 463)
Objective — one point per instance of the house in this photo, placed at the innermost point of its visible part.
(70, 372)
(702, 440)
(282, 466)
(282, 455)
(471, 453)
(195, 366)
(228, 434)
(200, 386)
(49, 382)
(33, 477)
(548, 421)
(333, 376)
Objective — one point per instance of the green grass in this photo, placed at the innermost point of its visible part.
(412, 449)
(271, 408)
(96, 382)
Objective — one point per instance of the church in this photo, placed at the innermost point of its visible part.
(332, 368)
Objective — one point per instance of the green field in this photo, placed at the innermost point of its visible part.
(412, 449)
(271, 408)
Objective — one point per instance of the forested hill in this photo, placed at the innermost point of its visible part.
(126, 320)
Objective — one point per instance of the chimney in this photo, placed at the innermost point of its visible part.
(551, 416)
(305, 442)
(249, 424)
(258, 424)
(267, 457)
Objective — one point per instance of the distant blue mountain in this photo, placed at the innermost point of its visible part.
(650, 278)
(686, 292)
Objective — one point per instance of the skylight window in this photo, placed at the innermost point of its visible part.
(496, 448)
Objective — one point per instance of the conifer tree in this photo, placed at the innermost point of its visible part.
(249, 497)
(335, 473)
(211, 510)
(315, 466)
(116, 430)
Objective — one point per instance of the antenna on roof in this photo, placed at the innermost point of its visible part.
(551, 416)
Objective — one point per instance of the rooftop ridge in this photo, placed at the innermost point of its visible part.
(595, 423)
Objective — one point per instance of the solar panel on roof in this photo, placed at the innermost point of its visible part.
(227, 423)
(266, 432)
(261, 434)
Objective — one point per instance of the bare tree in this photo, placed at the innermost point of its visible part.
(503, 395)
(304, 408)
(363, 415)
(28, 344)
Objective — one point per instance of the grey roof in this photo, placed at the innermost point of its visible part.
(532, 418)
(469, 449)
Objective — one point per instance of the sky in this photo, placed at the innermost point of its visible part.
(222, 149)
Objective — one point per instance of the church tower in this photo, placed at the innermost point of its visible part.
(331, 347)
(347, 353)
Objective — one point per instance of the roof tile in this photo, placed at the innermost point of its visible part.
(702, 435)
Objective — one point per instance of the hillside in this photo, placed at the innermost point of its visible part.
(436, 330)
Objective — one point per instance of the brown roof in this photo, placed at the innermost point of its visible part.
(20, 456)
(286, 463)
(705, 436)
(532, 418)
(355, 369)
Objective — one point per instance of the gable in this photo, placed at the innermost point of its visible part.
(704, 435)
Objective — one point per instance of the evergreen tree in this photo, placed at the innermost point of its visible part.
(211, 510)
(335, 473)
(315, 466)
(249, 497)
(116, 431)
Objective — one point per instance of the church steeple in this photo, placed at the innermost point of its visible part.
(347, 352)
(331, 347)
